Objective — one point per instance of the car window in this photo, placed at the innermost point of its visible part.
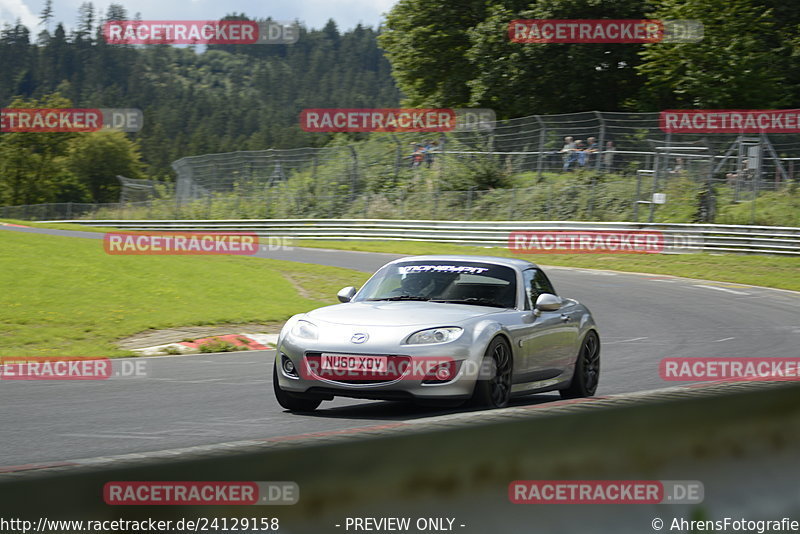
(445, 281)
(536, 283)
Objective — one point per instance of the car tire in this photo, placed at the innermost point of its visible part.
(290, 401)
(494, 389)
(587, 369)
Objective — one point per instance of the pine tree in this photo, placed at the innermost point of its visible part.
(46, 15)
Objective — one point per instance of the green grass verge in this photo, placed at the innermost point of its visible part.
(65, 296)
(61, 226)
(768, 271)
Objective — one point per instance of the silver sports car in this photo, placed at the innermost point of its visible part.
(440, 330)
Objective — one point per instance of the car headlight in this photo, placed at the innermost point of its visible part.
(305, 330)
(435, 335)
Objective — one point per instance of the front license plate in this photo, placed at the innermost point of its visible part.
(354, 362)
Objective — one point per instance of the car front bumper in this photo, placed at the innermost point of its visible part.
(466, 355)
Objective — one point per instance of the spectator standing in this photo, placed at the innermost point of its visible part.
(580, 152)
(592, 148)
(429, 147)
(679, 166)
(567, 152)
(418, 156)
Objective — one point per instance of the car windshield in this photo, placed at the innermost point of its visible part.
(456, 282)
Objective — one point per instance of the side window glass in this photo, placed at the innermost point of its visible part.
(536, 283)
(542, 284)
(530, 288)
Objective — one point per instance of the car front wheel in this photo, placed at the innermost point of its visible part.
(289, 400)
(587, 369)
(493, 387)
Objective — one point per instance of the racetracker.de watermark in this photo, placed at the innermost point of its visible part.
(730, 121)
(606, 492)
(362, 367)
(607, 31)
(180, 243)
(725, 369)
(579, 242)
(52, 120)
(190, 493)
(200, 32)
(397, 120)
(70, 368)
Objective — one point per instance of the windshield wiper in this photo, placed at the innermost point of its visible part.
(401, 297)
(474, 300)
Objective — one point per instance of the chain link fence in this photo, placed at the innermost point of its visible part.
(581, 166)
(586, 198)
(610, 142)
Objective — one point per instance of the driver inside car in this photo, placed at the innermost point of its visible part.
(415, 285)
(427, 285)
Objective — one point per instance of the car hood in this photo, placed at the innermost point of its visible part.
(399, 313)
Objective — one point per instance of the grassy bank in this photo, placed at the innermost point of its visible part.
(769, 271)
(65, 297)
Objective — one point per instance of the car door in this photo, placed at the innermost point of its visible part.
(547, 337)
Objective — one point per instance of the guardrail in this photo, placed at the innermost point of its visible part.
(678, 237)
(741, 441)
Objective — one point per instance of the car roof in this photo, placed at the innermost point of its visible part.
(514, 263)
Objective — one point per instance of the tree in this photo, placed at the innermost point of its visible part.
(116, 12)
(44, 20)
(445, 54)
(32, 166)
(519, 79)
(738, 64)
(46, 15)
(97, 158)
(427, 44)
(85, 22)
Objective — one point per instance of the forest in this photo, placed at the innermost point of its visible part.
(429, 53)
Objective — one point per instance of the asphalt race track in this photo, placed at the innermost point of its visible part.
(204, 399)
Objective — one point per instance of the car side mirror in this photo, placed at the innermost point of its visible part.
(548, 302)
(346, 294)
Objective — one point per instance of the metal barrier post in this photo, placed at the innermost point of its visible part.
(540, 162)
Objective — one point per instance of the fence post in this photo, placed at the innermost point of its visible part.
(637, 197)
(398, 159)
(711, 206)
(69, 210)
(441, 158)
(353, 172)
(592, 190)
(656, 172)
(601, 141)
(540, 162)
(756, 184)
